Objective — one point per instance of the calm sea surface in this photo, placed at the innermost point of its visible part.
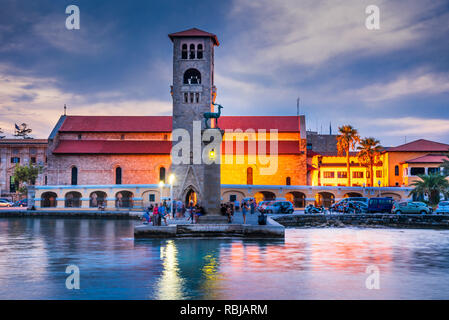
(309, 264)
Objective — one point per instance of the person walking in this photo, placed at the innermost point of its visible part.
(244, 211)
(155, 214)
(236, 205)
(191, 213)
(229, 213)
(162, 214)
(253, 206)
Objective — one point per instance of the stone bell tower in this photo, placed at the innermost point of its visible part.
(193, 93)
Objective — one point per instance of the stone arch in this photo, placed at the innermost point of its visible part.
(124, 199)
(352, 194)
(298, 199)
(227, 195)
(192, 76)
(97, 199)
(190, 193)
(325, 199)
(72, 199)
(264, 196)
(393, 195)
(49, 200)
(146, 197)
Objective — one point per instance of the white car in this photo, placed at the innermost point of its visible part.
(5, 203)
(443, 208)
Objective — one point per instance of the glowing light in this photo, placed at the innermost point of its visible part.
(161, 184)
(171, 178)
(212, 154)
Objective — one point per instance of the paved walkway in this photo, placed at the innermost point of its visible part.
(237, 219)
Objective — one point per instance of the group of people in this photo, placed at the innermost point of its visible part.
(249, 205)
(158, 212)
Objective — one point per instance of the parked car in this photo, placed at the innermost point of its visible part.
(279, 207)
(263, 204)
(355, 207)
(21, 203)
(340, 206)
(380, 205)
(442, 208)
(411, 207)
(5, 203)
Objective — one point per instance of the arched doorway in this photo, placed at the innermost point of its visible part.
(298, 199)
(191, 196)
(73, 200)
(352, 195)
(124, 199)
(48, 200)
(97, 199)
(264, 196)
(325, 199)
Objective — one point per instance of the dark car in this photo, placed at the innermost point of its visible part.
(380, 205)
(21, 203)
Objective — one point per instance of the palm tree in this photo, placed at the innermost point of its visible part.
(431, 185)
(369, 153)
(346, 140)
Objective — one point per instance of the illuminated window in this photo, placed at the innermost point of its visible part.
(357, 175)
(328, 174)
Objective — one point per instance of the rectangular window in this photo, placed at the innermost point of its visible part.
(309, 146)
(342, 175)
(357, 175)
(15, 160)
(152, 197)
(197, 97)
(379, 174)
(232, 197)
(191, 97)
(416, 171)
(186, 97)
(329, 174)
(434, 170)
(33, 160)
(12, 185)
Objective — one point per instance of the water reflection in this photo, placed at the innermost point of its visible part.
(309, 264)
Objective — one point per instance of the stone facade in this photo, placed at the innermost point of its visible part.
(20, 152)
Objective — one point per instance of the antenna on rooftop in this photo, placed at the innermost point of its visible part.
(65, 109)
(297, 106)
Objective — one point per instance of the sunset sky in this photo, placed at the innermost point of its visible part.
(391, 83)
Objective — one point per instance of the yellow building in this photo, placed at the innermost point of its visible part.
(329, 169)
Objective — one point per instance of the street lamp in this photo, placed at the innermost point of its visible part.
(171, 179)
(161, 185)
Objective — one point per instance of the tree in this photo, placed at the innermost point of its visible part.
(369, 154)
(432, 186)
(445, 167)
(26, 175)
(346, 140)
(22, 131)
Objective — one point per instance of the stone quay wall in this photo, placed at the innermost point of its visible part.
(365, 220)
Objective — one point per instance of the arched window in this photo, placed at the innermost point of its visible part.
(184, 51)
(162, 174)
(199, 53)
(249, 175)
(118, 175)
(192, 76)
(49, 200)
(74, 176)
(288, 181)
(192, 51)
(124, 199)
(396, 171)
(73, 200)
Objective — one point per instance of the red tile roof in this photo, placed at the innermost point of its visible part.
(281, 123)
(420, 145)
(117, 124)
(164, 123)
(150, 147)
(112, 147)
(430, 158)
(194, 32)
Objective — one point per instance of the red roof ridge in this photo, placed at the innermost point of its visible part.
(422, 145)
(194, 32)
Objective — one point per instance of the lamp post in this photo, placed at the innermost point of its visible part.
(161, 185)
(171, 179)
